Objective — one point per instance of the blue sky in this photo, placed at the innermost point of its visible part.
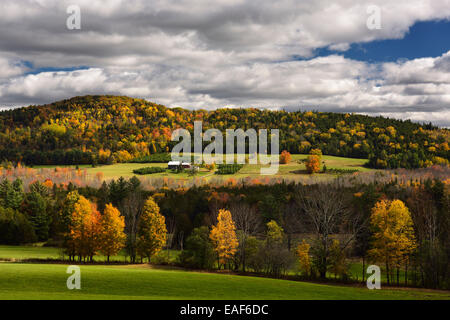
(424, 39)
(34, 70)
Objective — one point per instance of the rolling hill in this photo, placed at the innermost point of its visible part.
(110, 129)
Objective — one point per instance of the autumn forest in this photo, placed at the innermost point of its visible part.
(110, 129)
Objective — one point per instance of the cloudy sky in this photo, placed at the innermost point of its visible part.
(292, 54)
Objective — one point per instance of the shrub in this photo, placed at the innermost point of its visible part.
(161, 258)
(149, 170)
(278, 260)
(228, 168)
(339, 171)
(15, 228)
(312, 164)
(285, 157)
(199, 251)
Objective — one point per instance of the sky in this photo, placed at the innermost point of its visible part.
(377, 57)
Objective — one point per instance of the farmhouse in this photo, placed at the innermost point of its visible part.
(173, 165)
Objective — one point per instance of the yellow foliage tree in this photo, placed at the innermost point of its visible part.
(224, 237)
(304, 259)
(152, 231)
(85, 228)
(112, 235)
(275, 233)
(337, 258)
(393, 234)
(316, 152)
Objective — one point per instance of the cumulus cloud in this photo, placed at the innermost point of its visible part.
(235, 53)
(11, 68)
(330, 83)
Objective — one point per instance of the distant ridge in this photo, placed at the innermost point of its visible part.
(107, 129)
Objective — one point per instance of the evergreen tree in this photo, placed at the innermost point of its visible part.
(36, 208)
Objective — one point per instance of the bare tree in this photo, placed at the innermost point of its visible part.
(291, 222)
(210, 218)
(247, 222)
(424, 215)
(171, 227)
(324, 207)
(245, 218)
(181, 239)
(131, 209)
(429, 228)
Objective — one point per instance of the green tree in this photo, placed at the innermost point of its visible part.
(15, 228)
(199, 250)
(152, 231)
(36, 208)
(40, 188)
(11, 194)
(67, 209)
(275, 233)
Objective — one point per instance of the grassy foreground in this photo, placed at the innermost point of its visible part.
(48, 281)
(41, 254)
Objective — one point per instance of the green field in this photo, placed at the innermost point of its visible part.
(28, 252)
(292, 170)
(24, 253)
(48, 281)
(295, 169)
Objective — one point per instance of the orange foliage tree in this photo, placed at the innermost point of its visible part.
(112, 235)
(285, 157)
(312, 163)
(48, 183)
(224, 238)
(85, 229)
(152, 231)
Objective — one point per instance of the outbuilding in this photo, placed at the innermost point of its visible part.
(173, 165)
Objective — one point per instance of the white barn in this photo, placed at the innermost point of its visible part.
(176, 164)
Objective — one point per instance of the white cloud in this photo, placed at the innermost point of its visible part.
(230, 53)
(11, 68)
(323, 83)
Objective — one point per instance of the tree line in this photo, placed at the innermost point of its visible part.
(315, 229)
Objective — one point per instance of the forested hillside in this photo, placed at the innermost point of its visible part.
(109, 129)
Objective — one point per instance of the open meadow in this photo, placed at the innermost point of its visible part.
(294, 169)
(37, 253)
(48, 281)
